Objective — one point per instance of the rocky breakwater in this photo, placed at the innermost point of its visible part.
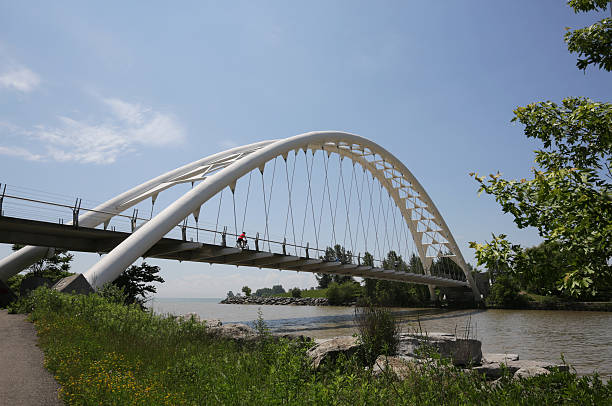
(413, 353)
(274, 300)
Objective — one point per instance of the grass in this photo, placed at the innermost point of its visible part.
(105, 353)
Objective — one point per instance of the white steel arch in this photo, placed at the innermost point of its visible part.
(429, 230)
(103, 213)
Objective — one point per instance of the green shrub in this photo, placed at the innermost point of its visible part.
(505, 293)
(296, 292)
(378, 332)
(342, 294)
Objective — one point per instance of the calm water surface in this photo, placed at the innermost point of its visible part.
(584, 338)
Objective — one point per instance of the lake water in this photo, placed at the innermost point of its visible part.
(584, 338)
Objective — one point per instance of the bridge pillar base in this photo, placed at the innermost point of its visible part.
(74, 284)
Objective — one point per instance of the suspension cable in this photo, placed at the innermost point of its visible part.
(246, 204)
(377, 222)
(333, 220)
(347, 206)
(309, 196)
(359, 197)
(218, 212)
(234, 204)
(290, 207)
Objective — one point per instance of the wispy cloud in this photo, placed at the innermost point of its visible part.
(19, 78)
(126, 128)
(20, 152)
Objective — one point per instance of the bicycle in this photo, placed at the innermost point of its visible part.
(242, 244)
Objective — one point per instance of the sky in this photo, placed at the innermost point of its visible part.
(97, 98)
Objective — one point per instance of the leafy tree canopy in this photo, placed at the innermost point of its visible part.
(134, 282)
(54, 267)
(340, 254)
(593, 44)
(569, 197)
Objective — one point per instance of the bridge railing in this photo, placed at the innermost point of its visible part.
(17, 202)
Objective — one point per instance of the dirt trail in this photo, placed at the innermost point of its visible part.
(23, 378)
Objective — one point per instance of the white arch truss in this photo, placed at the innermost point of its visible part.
(430, 232)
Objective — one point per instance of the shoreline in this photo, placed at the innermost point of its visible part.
(321, 301)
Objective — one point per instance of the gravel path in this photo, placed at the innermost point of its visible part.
(23, 378)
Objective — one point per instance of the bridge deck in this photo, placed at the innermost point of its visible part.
(32, 232)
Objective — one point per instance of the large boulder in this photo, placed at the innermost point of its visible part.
(398, 366)
(461, 351)
(329, 350)
(235, 331)
(212, 323)
(529, 372)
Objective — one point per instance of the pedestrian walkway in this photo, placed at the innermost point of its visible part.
(23, 378)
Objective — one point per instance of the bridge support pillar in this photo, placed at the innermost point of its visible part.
(432, 293)
(20, 260)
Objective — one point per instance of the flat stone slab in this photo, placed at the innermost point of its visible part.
(494, 370)
(489, 358)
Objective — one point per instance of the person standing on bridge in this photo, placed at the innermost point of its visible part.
(242, 241)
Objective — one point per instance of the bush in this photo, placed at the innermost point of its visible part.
(505, 293)
(340, 294)
(378, 332)
(296, 292)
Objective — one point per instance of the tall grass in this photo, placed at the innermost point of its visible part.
(378, 331)
(104, 353)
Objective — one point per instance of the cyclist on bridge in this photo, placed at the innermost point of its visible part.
(242, 240)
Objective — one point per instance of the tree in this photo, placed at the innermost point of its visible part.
(54, 267)
(324, 280)
(389, 293)
(246, 290)
(594, 43)
(278, 290)
(134, 282)
(336, 254)
(296, 292)
(569, 198)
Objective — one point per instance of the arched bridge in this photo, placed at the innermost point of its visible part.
(336, 219)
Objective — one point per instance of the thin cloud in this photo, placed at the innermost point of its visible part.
(20, 79)
(127, 128)
(20, 153)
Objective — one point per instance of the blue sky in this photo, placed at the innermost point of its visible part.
(96, 98)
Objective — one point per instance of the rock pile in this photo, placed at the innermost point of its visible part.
(273, 300)
(462, 352)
